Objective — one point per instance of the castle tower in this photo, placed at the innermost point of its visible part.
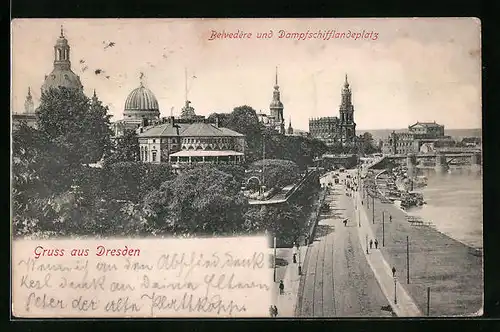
(347, 124)
(276, 107)
(29, 106)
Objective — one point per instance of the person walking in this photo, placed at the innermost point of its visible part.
(376, 243)
(275, 309)
(390, 218)
(282, 287)
(345, 222)
(371, 243)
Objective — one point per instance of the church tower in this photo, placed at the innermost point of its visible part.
(290, 128)
(276, 107)
(29, 106)
(62, 75)
(347, 124)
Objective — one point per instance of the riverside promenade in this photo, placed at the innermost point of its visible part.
(452, 270)
(337, 280)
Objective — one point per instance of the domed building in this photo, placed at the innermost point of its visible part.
(141, 109)
(62, 75)
(141, 104)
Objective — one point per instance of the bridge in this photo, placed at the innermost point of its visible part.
(440, 160)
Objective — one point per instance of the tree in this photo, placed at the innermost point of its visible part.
(74, 123)
(222, 118)
(202, 200)
(127, 148)
(244, 120)
(277, 173)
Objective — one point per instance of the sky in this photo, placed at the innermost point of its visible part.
(400, 70)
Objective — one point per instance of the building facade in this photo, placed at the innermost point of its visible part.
(421, 137)
(180, 141)
(342, 129)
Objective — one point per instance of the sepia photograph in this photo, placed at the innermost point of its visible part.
(269, 168)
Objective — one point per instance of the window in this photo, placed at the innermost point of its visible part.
(154, 141)
(154, 156)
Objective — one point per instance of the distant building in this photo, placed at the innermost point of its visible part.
(429, 133)
(471, 142)
(275, 120)
(333, 130)
(28, 116)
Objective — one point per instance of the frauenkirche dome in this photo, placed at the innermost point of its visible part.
(62, 75)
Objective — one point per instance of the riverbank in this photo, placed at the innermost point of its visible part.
(452, 270)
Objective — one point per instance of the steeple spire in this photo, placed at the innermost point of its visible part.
(62, 31)
(94, 98)
(29, 106)
(276, 82)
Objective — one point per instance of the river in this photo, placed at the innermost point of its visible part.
(454, 206)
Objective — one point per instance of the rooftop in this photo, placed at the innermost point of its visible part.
(206, 153)
(426, 124)
(197, 129)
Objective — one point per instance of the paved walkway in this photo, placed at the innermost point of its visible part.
(286, 302)
(405, 306)
(337, 280)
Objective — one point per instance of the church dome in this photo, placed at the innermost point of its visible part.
(141, 99)
(62, 78)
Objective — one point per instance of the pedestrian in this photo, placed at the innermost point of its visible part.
(376, 243)
(271, 311)
(371, 243)
(345, 222)
(294, 258)
(282, 287)
(275, 309)
(390, 218)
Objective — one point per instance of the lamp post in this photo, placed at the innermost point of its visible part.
(407, 259)
(373, 209)
(367, 243)
(383, 229)
(300, 268)
(394, 277)
(274, 274)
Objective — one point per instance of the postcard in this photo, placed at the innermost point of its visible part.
(267, 168)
